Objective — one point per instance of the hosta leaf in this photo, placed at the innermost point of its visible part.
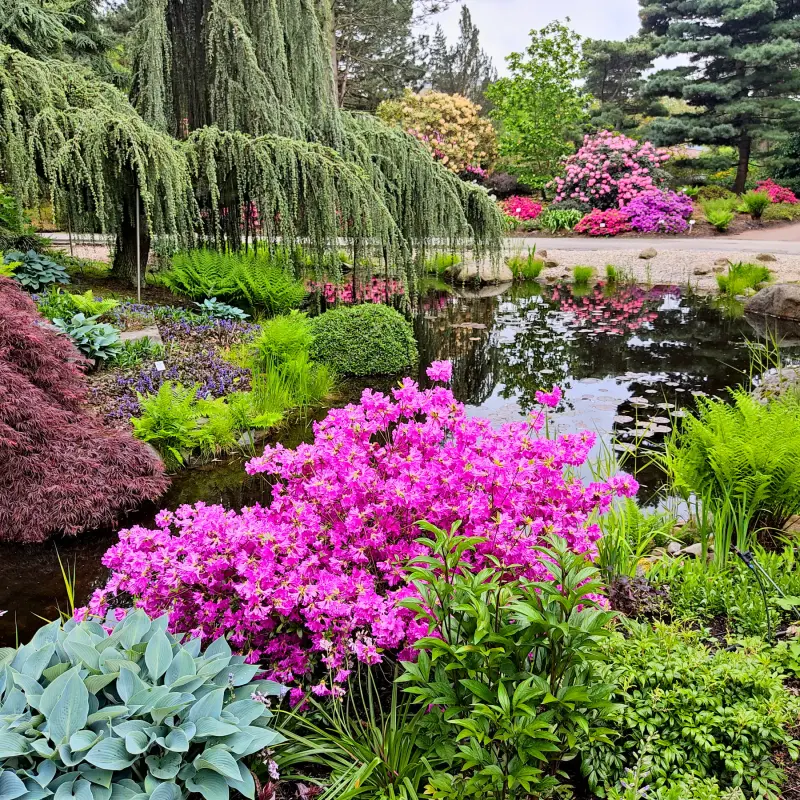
(158, 655)
(246, 711)
(70, 712)
(53, 693)
(245, 785)
(102, 777)
(208, 726)
(218, 760)
(83, 740)
(110, 754)
(137, 742)
(167, 791)
(166, 767)
(51, 673)
(209, 784)
(11, 786)
(210, 705)
(6, 655)
(176, 741)
(38, 660)
(182, 666)
(94, 683)
(12, 744)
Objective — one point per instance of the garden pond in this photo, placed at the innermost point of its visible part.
(629, 359)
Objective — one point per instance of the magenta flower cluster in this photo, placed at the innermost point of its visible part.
(609, 170)
(311, 583)
(659, 212)
(610, 222)
(522, 208)
(776, 192)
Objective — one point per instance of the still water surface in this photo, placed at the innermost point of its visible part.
(624, 358)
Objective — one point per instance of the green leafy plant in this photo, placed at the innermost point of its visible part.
(630, 534)
(370, 745)
(716, 715)
(742, 460)
(755, 203)
(369, 339)
(705, 193)
(134, 353)
(742, 277)
(719, 212)
(439, 263)
(263, 279)
(211, 307)
(782, 211)
(526, 267)
(582, 275)
(508, 667)
(34, 271)
(565, 219)
(57, 303)
(125, 709)
(94, 339)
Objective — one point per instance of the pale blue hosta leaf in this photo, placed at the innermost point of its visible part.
(83, 740)
(262, 737)
(133, 628)
(6, 655)
(210, 705)
(45, 774)
(158, 655)
(219, 647)
(137, 742)
(94, 683)
(147, 699)
(101, 793)
(192, 647)
(175, 741)
(36, 792)
(166, 767)
(167, 791)
(237, 674)
(170, 704)
(110, 754)
(209, 726)
(237, 743)
(32, 688)
(107, 713)
(12, 744)
(129, 684)
(84, 653)
(245, 785)
(182, 666)
(246, 711)
(209, 784)
(102, 777)
(51, 673)
(69, 758)
(52, 693)
(11, 787)
(130, 725)
(70, 712)
(38, 661)
(47, 634)
(42, 748)
(218, 760)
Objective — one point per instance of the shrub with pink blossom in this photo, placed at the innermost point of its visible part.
(314, 581)
(776, 192)
(610, 169)
(610, 222)
(659, 212)
(522, 208)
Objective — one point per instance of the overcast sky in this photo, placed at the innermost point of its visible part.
(505, 24)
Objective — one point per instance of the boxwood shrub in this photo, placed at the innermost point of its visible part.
(368, 339)
(126, 711)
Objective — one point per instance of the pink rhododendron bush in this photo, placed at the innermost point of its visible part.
(610, 169)
(776, 192)
(312, 582)
(610, 222)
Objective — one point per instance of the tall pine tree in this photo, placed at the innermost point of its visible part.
(743, 77)
(463, 69)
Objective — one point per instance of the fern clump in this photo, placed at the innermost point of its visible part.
(260, 279)
(741, 277)
(743, 455)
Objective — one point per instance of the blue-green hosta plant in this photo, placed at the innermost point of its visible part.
(94, 339)
(34, 271)
(211, 307)
(126, 711)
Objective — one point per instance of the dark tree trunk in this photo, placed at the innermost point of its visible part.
(124, 266)
(745, 144)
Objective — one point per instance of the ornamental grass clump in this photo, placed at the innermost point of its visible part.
(659, 212)
(118, 707)
(610, 169)
(315, 580)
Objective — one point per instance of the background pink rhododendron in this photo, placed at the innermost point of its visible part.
(312, 582)
(522, 208)
(610, 222)
(776, 192)
(610, 170)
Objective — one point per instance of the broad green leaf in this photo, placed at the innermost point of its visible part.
(246, 785)
(52, 693)
(51, 673)
(166, 767)
(218, 760)
(12, 744)
(158, 655)
(210, 705)
(182, 666)
(176, 741)
(110, 754)
(94, 683)
(70, 712)
(137, 742)
(167, 791)
(11, 786)
(209, 784)
(83, 740)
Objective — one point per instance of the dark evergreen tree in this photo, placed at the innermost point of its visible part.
(376, 52)
(612, 72)
(743, 79)
(464, 69)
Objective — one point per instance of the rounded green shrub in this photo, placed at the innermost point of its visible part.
(714, 193)
(368, 339)
(126, 710)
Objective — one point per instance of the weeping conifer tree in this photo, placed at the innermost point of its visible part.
(232, 123)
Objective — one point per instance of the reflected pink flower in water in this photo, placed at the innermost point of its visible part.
(375, 290)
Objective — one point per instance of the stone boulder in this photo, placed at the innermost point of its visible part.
(484, 272)
(781, 300)
(648, 253)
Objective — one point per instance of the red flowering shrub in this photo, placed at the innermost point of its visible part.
(522, 208)
(604, 223)
(776, 192)
(61, 470)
